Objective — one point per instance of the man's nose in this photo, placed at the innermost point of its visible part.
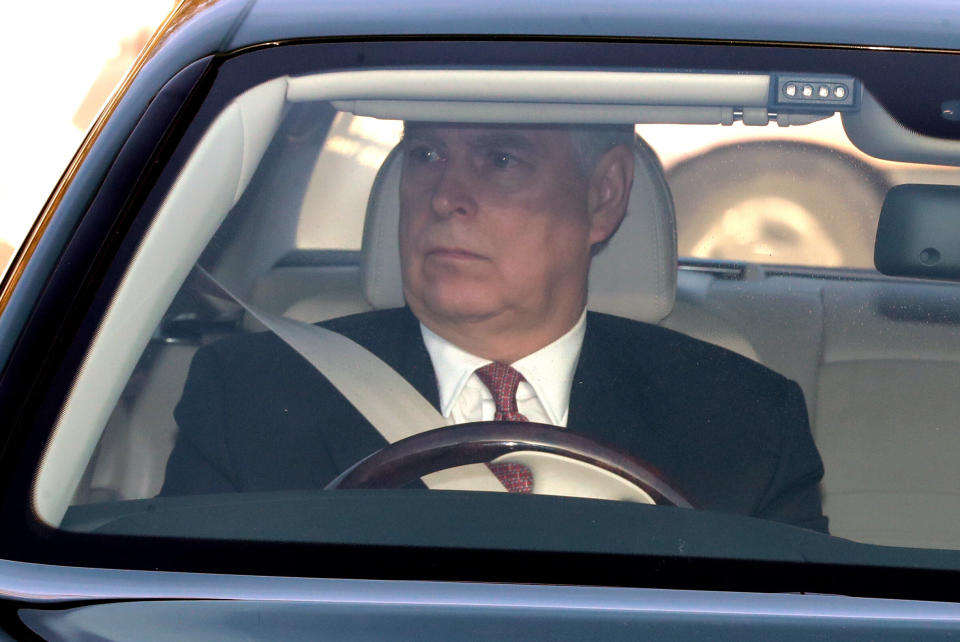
(453, 193)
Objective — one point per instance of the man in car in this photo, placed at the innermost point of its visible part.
(498, 226)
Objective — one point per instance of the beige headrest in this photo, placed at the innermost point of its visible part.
(635, 276)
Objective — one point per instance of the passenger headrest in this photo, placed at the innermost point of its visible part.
(635, 276)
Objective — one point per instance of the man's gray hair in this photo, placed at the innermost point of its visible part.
(591, 142)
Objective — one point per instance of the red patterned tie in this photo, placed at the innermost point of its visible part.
(502, 381)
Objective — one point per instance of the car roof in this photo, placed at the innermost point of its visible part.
(199, 28)
(894, 23)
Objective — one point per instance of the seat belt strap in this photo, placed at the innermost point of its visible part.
(389, 402)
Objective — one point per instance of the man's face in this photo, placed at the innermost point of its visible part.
(494, 224)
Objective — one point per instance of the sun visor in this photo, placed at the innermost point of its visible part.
(919, 232)
(550, 96)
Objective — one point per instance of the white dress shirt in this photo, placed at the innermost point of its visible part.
(543, 397)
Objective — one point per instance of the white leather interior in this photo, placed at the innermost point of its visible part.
(888, 389)
(635, 275)
(380, 263)
(881, 381)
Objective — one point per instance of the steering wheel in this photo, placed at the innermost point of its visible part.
(409, 459)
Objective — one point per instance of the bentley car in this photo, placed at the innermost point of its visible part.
(220, 419)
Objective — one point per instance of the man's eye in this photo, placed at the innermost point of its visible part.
(503, 160)
(423, 155)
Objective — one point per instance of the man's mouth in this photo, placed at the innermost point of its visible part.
(453, 253)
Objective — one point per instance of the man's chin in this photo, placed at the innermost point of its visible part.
(453, 309)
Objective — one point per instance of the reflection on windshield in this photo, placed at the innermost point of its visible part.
(769, 229)
(503, 223)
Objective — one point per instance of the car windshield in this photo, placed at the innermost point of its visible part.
(601, 308)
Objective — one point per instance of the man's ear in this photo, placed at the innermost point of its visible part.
(609, 192)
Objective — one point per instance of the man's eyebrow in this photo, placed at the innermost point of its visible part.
(509, 140)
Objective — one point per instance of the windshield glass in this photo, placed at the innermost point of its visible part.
(379, 320)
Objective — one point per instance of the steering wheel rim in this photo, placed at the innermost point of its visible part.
(409, 459)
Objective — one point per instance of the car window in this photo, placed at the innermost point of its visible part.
(742, 193)
(770, 377)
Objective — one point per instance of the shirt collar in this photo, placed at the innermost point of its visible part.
(549, 370)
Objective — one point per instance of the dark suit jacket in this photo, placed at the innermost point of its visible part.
(729, 433)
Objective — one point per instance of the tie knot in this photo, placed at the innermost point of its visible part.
(502, 382)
